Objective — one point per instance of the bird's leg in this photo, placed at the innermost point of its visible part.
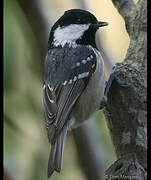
(112, 77)
(103, 106)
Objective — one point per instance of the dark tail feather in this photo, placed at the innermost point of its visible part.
(55, 157)
(51, 160)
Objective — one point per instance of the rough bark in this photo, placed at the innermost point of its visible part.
(128, 106)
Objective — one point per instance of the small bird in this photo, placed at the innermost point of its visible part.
(74, 78)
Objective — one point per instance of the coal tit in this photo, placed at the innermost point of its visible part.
(74, 78)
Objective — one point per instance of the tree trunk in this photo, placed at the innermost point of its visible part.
(128, 106)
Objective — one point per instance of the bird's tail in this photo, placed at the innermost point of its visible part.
(55, 157)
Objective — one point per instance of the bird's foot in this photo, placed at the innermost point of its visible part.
(106, 112)
(103, 102)
(103, 106)
(113, 76)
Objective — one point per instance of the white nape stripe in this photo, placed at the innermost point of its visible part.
(69, 34)
(85, 74)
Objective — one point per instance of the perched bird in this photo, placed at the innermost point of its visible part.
(74, 78)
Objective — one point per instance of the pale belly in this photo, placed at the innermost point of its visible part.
(89, 102)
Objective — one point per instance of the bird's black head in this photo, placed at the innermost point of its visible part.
(76, 26)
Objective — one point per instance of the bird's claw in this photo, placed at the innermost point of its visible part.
(106, 112)
(103, 102)
(103, 106)
(113, 76)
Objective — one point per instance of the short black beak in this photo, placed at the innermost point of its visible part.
(100, 24)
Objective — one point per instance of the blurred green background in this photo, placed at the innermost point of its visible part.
(26, 148)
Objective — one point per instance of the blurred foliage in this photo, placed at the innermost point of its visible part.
(26, 148)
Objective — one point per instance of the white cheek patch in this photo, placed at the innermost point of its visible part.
(69, 34)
